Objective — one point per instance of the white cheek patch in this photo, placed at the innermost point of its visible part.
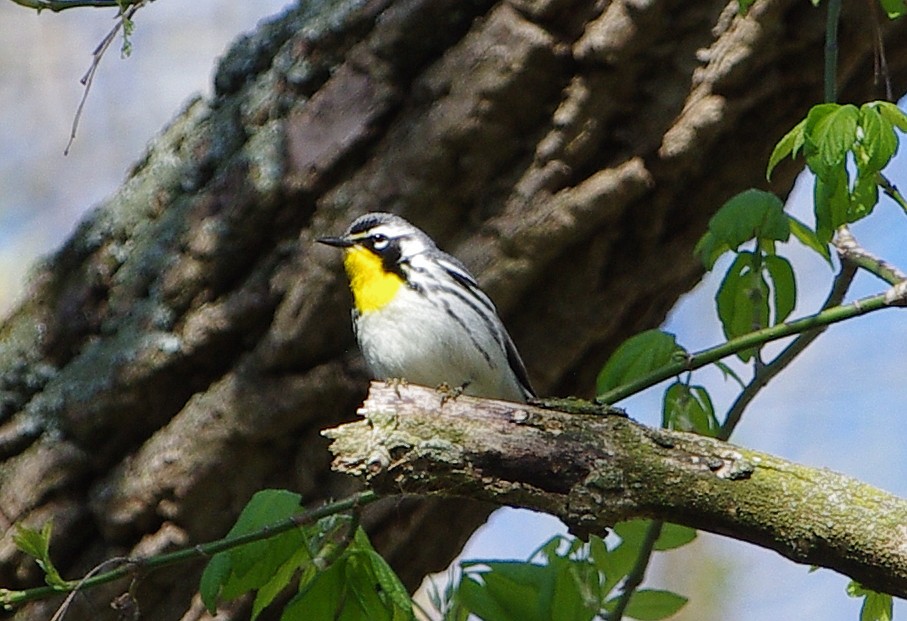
(410, 247)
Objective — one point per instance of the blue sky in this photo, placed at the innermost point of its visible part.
(839, 406)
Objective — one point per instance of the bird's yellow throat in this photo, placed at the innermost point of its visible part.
(372, 286)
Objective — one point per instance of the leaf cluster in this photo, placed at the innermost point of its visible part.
(685, 407)
(846, 148)
(336, 572)
(567, 580)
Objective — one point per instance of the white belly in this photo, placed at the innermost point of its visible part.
(430, 348)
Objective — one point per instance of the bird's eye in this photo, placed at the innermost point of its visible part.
(379, 241)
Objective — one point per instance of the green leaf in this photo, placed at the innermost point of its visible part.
(631, 532)
(784, 286)
(729, 372)
(577, 589)
(251, 566)
(605, 564)
(689, 408)
(653, 604)
(365, 590)
(524, 590)
(389, 582)
(743, 6)
(790, 144)
(709, 249)
(879, 141)
(831, 131)
(322, 599)
(357, 585)
(265, 508)
(36, 543)
(674, 536)
(892, 114)
(637, 357)
(863, 198)
(622, 558)
(569, 586)
(280, 579)
(808, 238)
(216, 573)
(832, 202)
(876, 606)
(477, 599)
(751, 214)
(742, 301)
(893, 8)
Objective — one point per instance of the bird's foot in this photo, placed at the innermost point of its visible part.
(396, 383)
(449, 393)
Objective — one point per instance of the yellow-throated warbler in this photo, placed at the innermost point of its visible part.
(420, 316)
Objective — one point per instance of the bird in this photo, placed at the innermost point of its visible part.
(419, 316)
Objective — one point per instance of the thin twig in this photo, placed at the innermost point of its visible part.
(831, 50)
(61, 5)
(64, 607)
(638, 572)
(881, 70)
(88, 79)
(851, 251)
(96, 57)
(891, 191)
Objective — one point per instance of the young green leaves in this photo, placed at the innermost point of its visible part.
(758, 289)
(876, 606)
(571, 581)
(636, 357)
(340, 575)
(752, 214)
(685, 407)
(36, 543)
(839, 139)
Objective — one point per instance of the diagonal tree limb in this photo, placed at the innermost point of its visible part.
(594, 470)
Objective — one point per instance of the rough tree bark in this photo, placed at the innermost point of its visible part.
(593, 469)
(186, 346)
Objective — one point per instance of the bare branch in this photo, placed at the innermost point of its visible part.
(61, 5)
(96, 56)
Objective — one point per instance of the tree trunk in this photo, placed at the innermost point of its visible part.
(189, 342)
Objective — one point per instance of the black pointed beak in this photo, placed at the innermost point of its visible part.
(337, 242)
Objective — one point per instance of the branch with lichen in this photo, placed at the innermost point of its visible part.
(592, 470)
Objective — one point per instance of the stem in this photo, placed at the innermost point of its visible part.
(891, 191)
(61, 5)
(852, 252)
(129, 566)
(753, 339)
(831, 50)
(636, 575)
(767, 372)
